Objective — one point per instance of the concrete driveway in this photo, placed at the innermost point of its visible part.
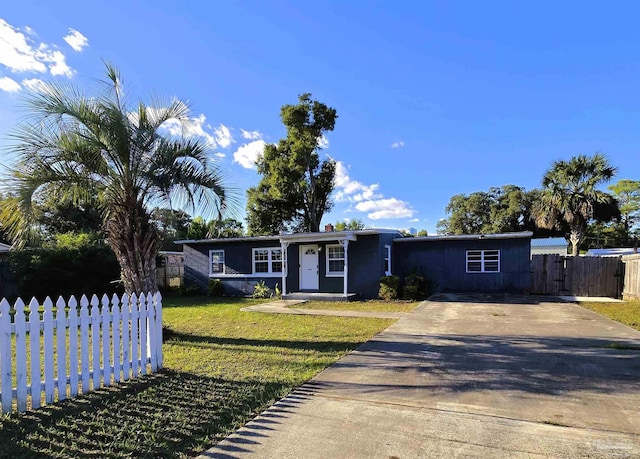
(466, 376)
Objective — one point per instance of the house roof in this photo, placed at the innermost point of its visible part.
(455, 237)
(610, 252)
(549, 242)
(4, 248)
(298, 237)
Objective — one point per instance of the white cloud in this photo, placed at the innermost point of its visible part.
(58, 65)
(322, 142)
(9, 85)
(414, 220)
(251, 135)
(223, 137)
(20, 53)
(398, 144)
(34, 84)
(385, 208)
(248, 153)
(198, 127)
(352, 190)
(76, 40)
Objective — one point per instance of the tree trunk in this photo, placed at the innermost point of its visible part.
(133, 239)
(576, 236)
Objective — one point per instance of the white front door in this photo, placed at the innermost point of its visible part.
(309, 267)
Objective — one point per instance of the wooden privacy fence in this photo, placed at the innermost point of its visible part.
(579, 276)
(54, 355)
(631, 276)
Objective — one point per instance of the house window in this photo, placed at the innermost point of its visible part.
(267, 260)
(483, 261)
(335, 259)
(216, 258)
(387, 260)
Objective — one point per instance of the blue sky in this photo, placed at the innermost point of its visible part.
(433, 98)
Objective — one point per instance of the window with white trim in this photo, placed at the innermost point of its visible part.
(216, 262)
(387, 260)
(483, 261)
(267, 260)
(335, 260)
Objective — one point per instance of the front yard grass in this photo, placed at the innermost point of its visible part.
(627, 313)
(371, 305)
(222, 366)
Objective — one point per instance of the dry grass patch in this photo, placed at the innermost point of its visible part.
(627, 313)
(370, 305)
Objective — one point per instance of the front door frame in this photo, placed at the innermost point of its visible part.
(314, 286)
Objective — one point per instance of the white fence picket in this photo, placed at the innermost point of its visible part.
(106, 342)
(151, 333)
(95, 342)
(115, 330)
(159, 338)
(135, 315)
(73, 346)
(48, 355)
(34, 341)
(84, 343)
(126, 327)
(21, 355)
(143, 333)
(6, 382)
(126, 338)
(61, 348)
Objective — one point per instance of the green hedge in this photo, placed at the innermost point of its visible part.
(42, 272)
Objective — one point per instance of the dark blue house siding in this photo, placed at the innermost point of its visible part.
(366, 266)
(238, 261)
(443, 262)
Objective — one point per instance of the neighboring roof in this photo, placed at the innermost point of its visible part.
(549, 242)
(298, 237)
(455, 237)
(610, 252)
(228, 239)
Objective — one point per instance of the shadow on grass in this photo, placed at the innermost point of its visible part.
(174, 337)
(169, 414)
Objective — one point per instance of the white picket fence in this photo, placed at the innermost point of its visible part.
(102, 343)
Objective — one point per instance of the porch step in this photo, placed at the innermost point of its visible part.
(318, 296)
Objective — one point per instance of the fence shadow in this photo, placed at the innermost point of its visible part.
(163, 415)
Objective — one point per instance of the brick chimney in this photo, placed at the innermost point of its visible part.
(328, 228)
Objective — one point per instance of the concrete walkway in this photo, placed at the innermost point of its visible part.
(465, 376)
(283, 307)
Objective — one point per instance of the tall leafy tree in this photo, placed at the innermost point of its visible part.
(227, 228)
(294, 192)
(73, 143)
(352, 225)
(498, 210)
(570, 194)
(627, 192)
(172, 225)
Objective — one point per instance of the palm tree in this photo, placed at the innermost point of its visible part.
(570, 195)
(75, 144)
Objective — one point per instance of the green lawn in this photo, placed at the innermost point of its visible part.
(627, 313)
(372, 305)
(222, 366)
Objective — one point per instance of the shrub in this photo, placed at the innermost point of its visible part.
(65, 271)
(215, 287)
(189, 290)
(415, 286)
(389, 287)
(261, 290)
